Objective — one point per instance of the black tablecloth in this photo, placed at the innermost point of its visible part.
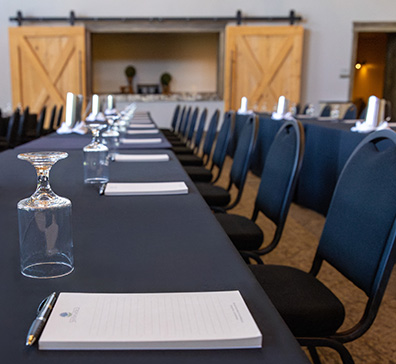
(328, 146)
(75, 141)
(129, 244)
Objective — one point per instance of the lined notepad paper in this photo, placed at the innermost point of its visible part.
(152, 131)
(141, 157)
(148, 188)
(194, 320)
(141, 141)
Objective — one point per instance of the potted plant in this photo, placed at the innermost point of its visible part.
(166, 78)
(130, 72)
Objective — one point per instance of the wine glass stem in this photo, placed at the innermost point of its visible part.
(43, 185)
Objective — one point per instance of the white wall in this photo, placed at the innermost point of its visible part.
(328, 39)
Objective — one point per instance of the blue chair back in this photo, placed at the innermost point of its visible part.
(350, 113)
(175, 118)
(360, 229)
(326, 111)
(210, 137)
(280, 172)
(185, 122)
(222, 141)
(52, 119)
(200, 130)
(191, 127)
(181, 120)
(22, 126)
(12, 129)
(241, 162)
(59, 119)
(40, 122)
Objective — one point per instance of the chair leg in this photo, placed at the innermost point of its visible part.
(314, 355)
(345, 356)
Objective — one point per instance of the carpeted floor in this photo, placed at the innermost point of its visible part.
(297, 248)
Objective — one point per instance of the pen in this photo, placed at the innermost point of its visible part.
(39, 322)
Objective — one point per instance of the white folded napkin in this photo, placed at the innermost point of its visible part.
(134, 132)
(141, 157)
(79, 128)
(368, 127)
(141, 141)
(110, 112)
(287, 116)
(149, 188)
(96, 117)
(64, 129)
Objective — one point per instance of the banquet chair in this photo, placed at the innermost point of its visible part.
(40, 122)
(219, 198)
(51, 126)
(203, 159)
(178, 135)
(204, 174)
(175, 118)
(194, 145)
(21, 134)
(350, 113)
(357, 240)
(326, 111)
(59, 118)
(363, 113)
(188, 134)
(10, 140)
(274, 197)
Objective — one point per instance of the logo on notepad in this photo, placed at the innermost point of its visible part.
(71, 315)
(65, 314)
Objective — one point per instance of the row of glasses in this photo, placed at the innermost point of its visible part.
(44, 219)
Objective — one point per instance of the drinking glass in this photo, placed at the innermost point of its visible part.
(44, 221)
(96, 157)
(111, 137)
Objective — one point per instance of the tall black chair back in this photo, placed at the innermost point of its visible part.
(185, 123)
(279, 178)
(241, 161)
(51, 127)
(210, 137)
(223, 138)
(191, 126)
(200, 130)
(22, 126)
(181, 120)
(59, 118)
(175, 118)
(12, 130)
(350, 113)
(326, 111)
(40, 122)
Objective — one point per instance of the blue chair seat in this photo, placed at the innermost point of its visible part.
(213, 195)
(199, 173)
(243, 232)
(190, 160)
(308, 307)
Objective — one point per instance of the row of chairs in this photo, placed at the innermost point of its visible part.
(357, 240)
(23, 127)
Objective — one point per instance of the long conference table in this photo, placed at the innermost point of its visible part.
(134, 244)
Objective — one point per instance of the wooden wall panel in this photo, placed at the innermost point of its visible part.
(262, 63)
(46, 63)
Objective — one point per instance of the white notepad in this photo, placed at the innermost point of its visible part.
(141, 141)
(147, 188)
(194, 320)
(134, 132)
(143, 126)
(141, 157)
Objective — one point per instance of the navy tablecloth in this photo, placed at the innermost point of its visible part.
(129, 244)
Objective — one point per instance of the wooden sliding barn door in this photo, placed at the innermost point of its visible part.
(262, 63)
(46, 63)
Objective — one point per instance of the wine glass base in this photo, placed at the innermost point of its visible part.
(47, 270)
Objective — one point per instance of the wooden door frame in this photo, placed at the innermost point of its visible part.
(365, 27)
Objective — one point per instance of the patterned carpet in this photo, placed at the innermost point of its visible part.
(297, 248)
